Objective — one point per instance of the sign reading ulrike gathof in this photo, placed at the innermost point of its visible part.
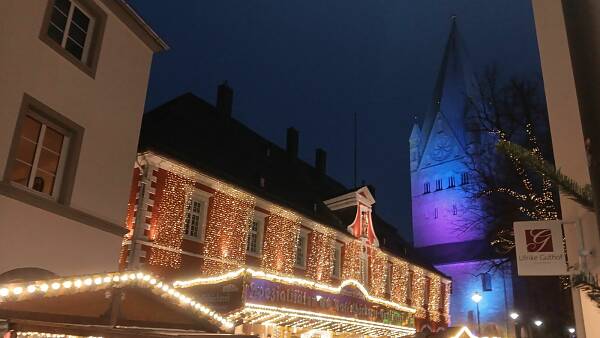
(539, 248)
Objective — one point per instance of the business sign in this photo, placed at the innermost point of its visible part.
(349, 303)
(539, 248)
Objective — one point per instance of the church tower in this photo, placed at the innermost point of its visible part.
(442, 210)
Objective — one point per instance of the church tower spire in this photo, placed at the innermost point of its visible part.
(455, 84)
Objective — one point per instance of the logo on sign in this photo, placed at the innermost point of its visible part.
(538, 240)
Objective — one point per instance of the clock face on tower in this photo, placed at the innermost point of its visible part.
(442, 147)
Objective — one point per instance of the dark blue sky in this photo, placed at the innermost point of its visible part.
(312, 63)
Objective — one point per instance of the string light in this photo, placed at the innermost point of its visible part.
(446, 311)
(320, 257)
(291, 281)
(168, 219)
(400, 275)
(392, 330)
(63, 286)
(50, 335)
(433, 305)
(281, 241)
(418, 292)
(227, 231)
(464, 330)
(351, 266)
(379, 272)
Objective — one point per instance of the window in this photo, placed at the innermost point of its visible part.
(194, 218)
(409, 285)
(337, 261)
(71, 27)
(426, 292)
(438, 185)
(39, 156)
(454, 210)
(435, 213)
(426, 188)
(301, 249)
(74, 29)
(364, 268)
(486, 282)
(388, 279)
(254, 244)
(451, 183)
(464, 178)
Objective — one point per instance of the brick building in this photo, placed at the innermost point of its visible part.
(269, 241)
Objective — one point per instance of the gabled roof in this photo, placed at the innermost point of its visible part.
(144, 302)
(455, 82)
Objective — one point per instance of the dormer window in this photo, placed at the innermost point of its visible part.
(464, 178)
(451, 183)
(438, 185)
(426, 188)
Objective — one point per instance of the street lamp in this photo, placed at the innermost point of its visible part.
(571, 330)
(476, 297)
(538, 322)
(514, 315)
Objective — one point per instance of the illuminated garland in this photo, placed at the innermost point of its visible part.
(400, 276)
(169, 219)
(230, 217)
(281, 241)
(433, 305)
(320, 256)
(74, 285)
(351, 266)
(446, 311)
(418, 292)
(378, 273)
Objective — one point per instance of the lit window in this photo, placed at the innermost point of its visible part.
(486, 282)
(195, 218)
(40, 156)
(426, 188)
(301, 249)
(254, 244)
(71, 26)
(337, 261)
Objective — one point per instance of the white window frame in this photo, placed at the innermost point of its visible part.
(337, 257)
(259, 218)
(303, 234)
(58, 177)
(89, 33)
(203, 197)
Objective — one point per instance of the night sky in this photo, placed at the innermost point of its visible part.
(312, 63)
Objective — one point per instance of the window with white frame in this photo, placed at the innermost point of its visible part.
(301, 249)
(40, 156)
(71, 26)
(254, 243)
(337, 261)
(195, 218)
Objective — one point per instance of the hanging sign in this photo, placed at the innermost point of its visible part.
(539, 248)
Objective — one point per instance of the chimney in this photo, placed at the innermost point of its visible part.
(224, 99)
(292, 142)
(321, 161)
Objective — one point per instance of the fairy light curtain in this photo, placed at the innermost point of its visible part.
(400, 276)
(418, 292)
(320, 255)
(433, 305)
(351, 266)
(169, 217)
(229, 220)
(280, 242)
(378, 264)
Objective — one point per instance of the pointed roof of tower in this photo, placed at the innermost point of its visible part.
(415, 134)
(455, 82)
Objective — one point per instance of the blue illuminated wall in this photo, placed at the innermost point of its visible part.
(441, 150)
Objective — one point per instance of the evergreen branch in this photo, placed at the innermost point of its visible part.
(580, 194)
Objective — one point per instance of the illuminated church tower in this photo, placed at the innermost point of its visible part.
(442, 212)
